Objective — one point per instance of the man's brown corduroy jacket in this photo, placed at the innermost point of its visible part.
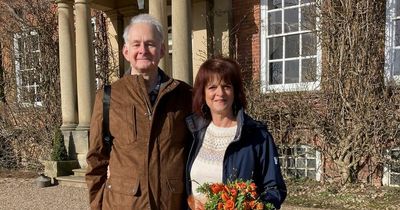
(149, 151)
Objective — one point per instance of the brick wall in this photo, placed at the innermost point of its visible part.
(246, 35)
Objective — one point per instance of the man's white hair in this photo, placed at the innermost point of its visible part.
(145, 18)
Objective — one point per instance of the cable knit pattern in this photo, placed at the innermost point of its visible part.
(216, 140)
(207, 166)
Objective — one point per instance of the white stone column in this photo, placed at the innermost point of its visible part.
(182, 40)
(84, 63)
(67, 64)
(85, 78)
(158, 9)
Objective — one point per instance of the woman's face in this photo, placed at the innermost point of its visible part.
(219, 97)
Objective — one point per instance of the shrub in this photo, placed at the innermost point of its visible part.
(59, 151)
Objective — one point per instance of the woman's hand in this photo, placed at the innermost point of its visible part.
(195, 204)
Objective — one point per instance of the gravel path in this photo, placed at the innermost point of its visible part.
(23, 194)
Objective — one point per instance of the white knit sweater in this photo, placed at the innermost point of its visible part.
(207, 167)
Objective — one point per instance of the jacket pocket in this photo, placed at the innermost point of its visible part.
(126, 126)
(123, 186)
(176, 194)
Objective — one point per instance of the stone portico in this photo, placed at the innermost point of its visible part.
(190, 36)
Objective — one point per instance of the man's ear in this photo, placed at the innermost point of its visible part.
(125, 52)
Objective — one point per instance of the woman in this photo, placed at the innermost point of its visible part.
(228, 144)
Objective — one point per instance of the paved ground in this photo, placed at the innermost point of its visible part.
(23, 194)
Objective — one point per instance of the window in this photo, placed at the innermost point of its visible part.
(391, 175)
(393, 39)
(300, 161)
(27, 61)
(289, 52)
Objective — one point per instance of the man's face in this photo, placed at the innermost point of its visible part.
(143, 49)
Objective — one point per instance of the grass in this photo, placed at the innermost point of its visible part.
(309, 193)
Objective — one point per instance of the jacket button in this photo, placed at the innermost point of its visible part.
(109, 186)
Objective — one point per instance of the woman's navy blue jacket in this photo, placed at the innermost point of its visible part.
(251, 155)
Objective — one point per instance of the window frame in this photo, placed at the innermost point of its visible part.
(317, 156)
(390, 47)
(264, 59)
(387, 172)
(18, 62)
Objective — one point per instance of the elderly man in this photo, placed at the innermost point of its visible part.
(150, 145)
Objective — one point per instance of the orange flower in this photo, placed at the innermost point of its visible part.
(253, 186)
(234, 193)
(224, 196)
(216, 188)
(229, 205)
(260, 206)
(220, 206)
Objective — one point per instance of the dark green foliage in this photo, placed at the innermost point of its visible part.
(59, 151)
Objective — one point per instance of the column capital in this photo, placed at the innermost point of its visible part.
(64, 2)
(83, 1)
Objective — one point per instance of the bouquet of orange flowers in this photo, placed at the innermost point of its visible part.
(235, 195)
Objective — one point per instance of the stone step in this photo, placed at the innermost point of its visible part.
(72, 181)
(79, 172)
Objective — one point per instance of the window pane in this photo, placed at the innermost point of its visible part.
(307, 1)
(292, 172)
(396, 62)
(397, 11)
(292, 46)
(395, 154)
(36, 78)
(300, 151)
(282, 162)
(311, 174)
(20, 45)
(290, 151)
(291, 20)
(309, 44)
(395, 167)
(307, 22)
(301, 163)
(301, 173)
(292, 73)
(311, 163)
(289, 3)
(397, 33)
(275, 73)
(274, 22)
(274, 4)
(275, 48)
(290, 163)
(310, 153)
(35, 43)
(395, 179)
(24, 78)
(308, 70)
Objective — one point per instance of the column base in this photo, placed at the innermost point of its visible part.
(81, 145)
(67, 130)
